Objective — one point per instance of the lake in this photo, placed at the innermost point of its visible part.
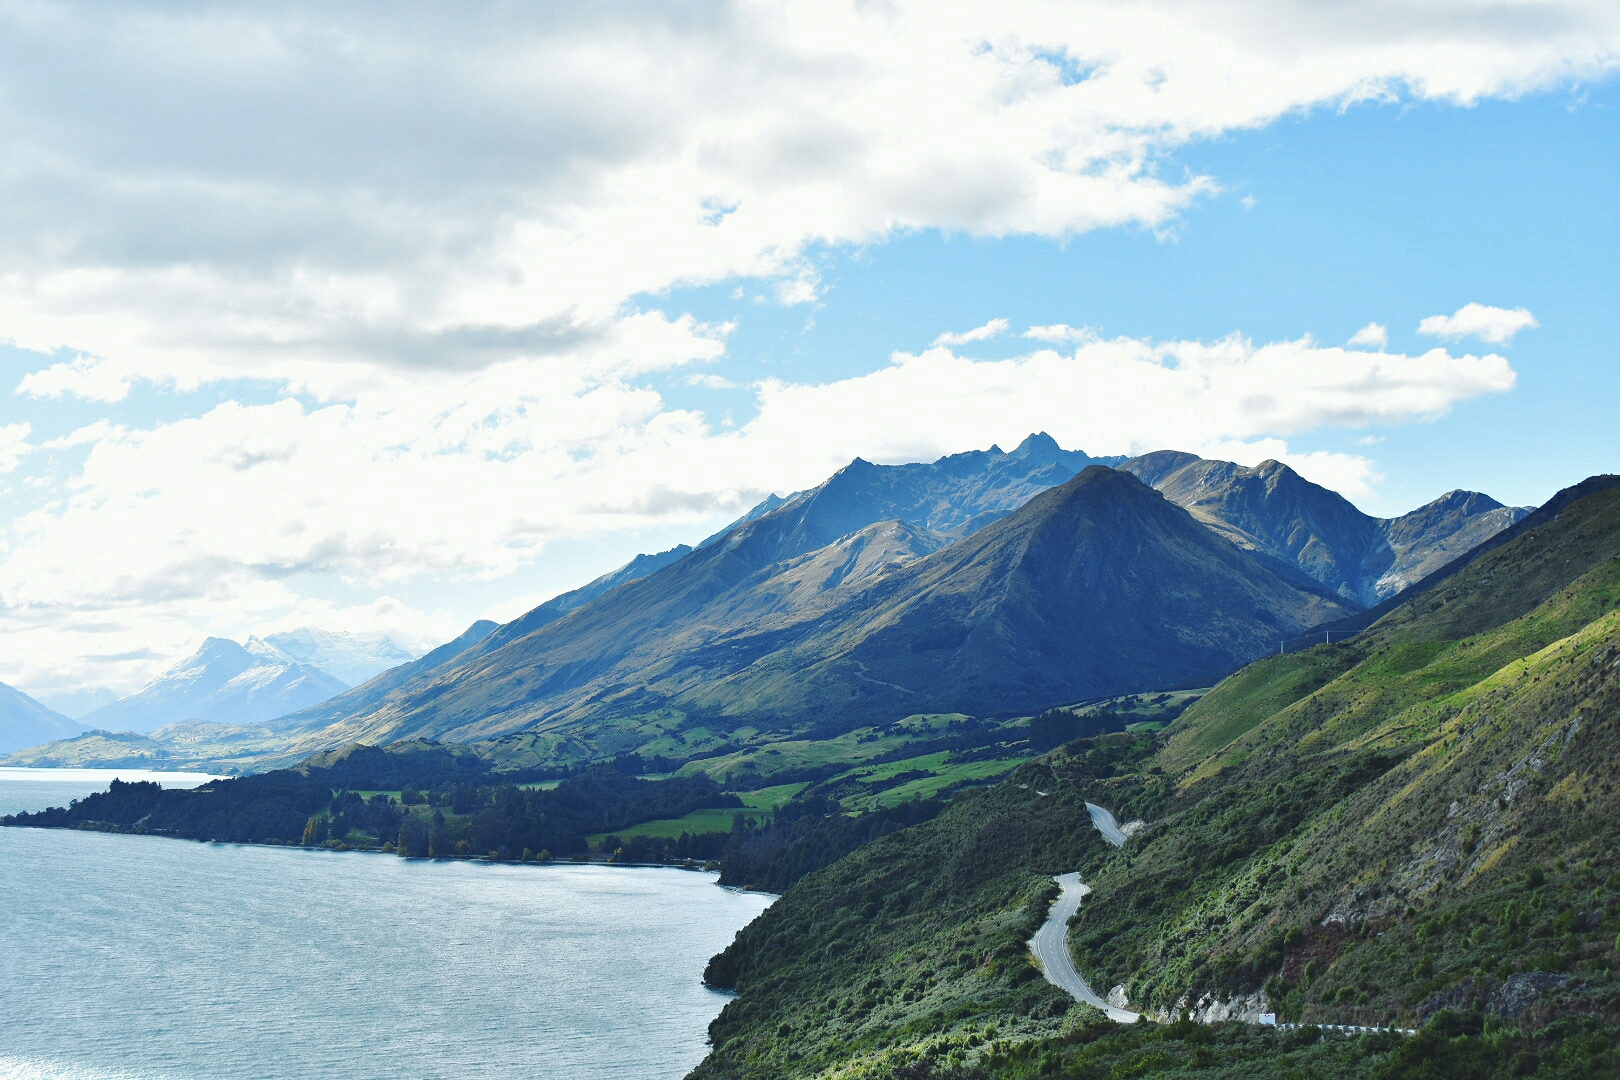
(131, 957)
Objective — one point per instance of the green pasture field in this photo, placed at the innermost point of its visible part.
(718, 819)
(944, 776)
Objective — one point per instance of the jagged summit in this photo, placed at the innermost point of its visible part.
(1040, 445)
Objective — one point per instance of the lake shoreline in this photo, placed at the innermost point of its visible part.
(273, 965)
(589, 860)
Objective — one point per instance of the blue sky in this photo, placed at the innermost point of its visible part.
(380, 320)
(1386, 212)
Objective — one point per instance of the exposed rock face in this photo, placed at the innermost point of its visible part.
(1518, 992)
(1507, 999)
(1209, 1009)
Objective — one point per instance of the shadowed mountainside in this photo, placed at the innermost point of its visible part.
(706, 636)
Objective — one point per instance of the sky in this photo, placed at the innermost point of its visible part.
(389, 317)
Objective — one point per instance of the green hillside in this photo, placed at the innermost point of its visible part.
(1416, 827)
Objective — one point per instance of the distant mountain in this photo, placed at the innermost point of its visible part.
(222, 682)
(1094, 588)
(353, 658)
(75, 703)
(1272, 509)
(951, 497)
(24, 721)
(1098, 587)
(954, 496)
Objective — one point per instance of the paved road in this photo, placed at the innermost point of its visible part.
(1106, 825)
(1051, 944)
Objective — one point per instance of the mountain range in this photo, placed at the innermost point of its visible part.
(348, 657)
(957, 585)
(985, 582)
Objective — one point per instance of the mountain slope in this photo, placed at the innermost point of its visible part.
(558, 606)
(1463, 741)
(952, 497)
(1272, 509)
(662, 604)
(1422, 819)
(224, 683)
(1098, 587)
(25, 722)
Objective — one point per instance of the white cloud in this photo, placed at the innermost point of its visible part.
(993, 328)
(14, 446)
(1490, 324)
(1373, 335)
(711, 381)
(83, 377)
(229, 190)
(1062, 334)
(1121, 395)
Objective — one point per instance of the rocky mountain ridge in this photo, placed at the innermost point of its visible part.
(1271, 509)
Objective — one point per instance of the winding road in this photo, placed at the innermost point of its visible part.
(1051, 948)
(1105, 823)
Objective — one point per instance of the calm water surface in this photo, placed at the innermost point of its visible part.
(138, 957)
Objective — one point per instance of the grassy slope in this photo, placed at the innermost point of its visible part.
(1419, 780)
(1370, 832)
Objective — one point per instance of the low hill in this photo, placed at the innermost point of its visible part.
(199, 747)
